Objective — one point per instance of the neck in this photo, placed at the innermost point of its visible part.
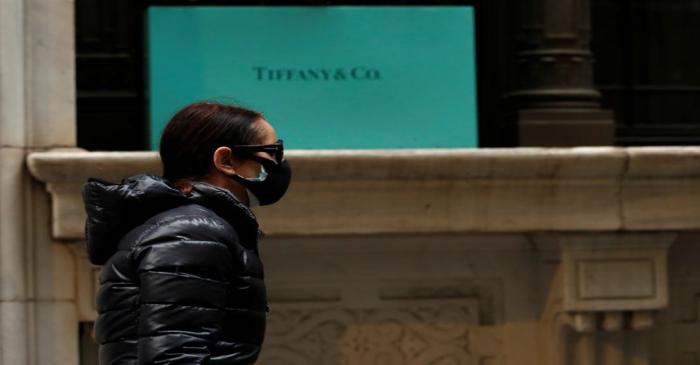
(219, 180)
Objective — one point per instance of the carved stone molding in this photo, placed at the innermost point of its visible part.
(412, 332)
(433, 191)
(437, 321)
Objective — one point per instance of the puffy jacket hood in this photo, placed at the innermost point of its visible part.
(114, 209)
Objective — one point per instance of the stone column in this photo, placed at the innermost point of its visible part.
(38, 323)
(555, 101)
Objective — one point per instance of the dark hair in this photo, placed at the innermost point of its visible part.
(196, 131)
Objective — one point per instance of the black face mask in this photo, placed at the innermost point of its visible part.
(270, 185)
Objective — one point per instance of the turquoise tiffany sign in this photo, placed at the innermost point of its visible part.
(325, 77)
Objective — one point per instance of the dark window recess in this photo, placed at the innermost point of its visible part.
(109, 73)
(110, 63)
(647, 68)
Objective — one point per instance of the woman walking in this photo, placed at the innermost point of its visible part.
(182, 280)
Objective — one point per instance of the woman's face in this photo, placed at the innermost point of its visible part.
(251, 168)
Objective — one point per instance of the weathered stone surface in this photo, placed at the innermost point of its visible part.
(76, 166)
(37, 111)
(401, 299)
(14, 341)
(411, 298)
(56, 277)
(87, 283)
(662, 189)
(338, 249)
(674, 336)
(12, 97)
(50, 79)
(615, 271)
(56, 333)
(409, 332)
(392, 191)
(13, 192)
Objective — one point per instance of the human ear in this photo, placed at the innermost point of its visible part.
(223, 160)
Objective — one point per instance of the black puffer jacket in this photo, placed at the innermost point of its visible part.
(182, 281)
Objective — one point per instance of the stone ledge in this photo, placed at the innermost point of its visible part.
(437, 190)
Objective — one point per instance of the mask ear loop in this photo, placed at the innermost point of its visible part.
(262, 176)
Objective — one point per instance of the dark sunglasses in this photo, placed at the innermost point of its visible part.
(276, 150)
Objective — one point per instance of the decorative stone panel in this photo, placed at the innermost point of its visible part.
(615, 272)
(416, 332)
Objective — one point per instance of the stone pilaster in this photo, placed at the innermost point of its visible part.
(37, 112)
(555, 100)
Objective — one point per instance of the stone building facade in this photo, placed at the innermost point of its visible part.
(511, 256)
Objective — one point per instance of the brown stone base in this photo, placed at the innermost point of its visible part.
(565, 128)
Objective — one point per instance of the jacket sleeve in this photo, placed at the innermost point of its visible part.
(184, 289)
